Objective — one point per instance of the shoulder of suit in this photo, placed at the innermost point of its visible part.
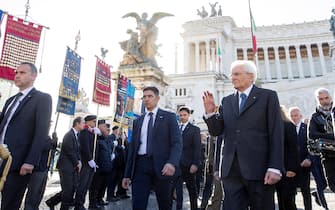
(264, 90)
(165, 112)
(194, 126)
(40, 93)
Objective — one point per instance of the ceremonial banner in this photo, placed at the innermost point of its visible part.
(130, 100)
(102, 83)
(121, 99)
(68, 90)
(1, 18)
(21, 43)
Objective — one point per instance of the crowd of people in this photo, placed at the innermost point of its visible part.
(254, 148)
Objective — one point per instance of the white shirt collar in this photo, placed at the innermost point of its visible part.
(26, 91)
(154, 111)
(247, 91)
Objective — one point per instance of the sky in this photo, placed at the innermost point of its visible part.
(101, 25)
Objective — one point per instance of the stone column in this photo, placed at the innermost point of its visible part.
(310, 60)
(267, 64)
(299, 61)
(245, 53)
(186, 57)
(322, 59)
(277, 61)
(213, 58)
(197, 57)
(208, 53)
(288, 62)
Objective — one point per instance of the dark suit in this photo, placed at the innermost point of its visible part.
(86, 142)
(190, 156)
(67, 164)
(146, 171)
(303, 175)
(253, 143)
(286, 188)
(26, 136)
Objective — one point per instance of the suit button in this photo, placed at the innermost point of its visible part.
(238, 131)
(235, 142)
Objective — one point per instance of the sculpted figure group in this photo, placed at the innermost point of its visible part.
(142, 48)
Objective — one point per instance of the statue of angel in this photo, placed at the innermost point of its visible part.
(148, 33)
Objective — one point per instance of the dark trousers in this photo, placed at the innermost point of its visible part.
(36, 188)
(103, 186)
(97, 186)
(190, 180)
(303, 182)
(115, 178)
(13, 191)
(286, 190)
(144, 181)
(329, 165)
(69, 182)
(208, 189)
(319, 178)
(241, 193)
(86, 176)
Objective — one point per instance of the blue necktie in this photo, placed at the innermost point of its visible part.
(149, 134)
(243, 98)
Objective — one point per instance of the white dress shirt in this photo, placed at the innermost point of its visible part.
(144, 130)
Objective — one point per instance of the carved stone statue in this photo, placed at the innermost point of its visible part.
(203, 14)
(82, 102)
(132, 49)
(332, 22)
(220, 11)
(148, 36)
(103, 52)
(213, 10)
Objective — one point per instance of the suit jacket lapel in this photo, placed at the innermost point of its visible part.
(234, 104)
(25, 100)
(251, 99)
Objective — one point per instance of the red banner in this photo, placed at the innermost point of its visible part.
(21, 43)
(102, 83)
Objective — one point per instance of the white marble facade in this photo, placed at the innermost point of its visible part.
(293, 59)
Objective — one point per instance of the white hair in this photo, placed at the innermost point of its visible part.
(249, 67)
(320, 91)
(294, 108)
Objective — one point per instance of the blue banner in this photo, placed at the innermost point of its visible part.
(68, 90)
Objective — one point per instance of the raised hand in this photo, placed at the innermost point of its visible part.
(208, 100)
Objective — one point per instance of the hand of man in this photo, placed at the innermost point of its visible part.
(290, 174)
(193, 169)
(125, 183)
(306, 163)
(26, 168)
(93, 165)
(168, 169)
(271, 178)
(209, 104)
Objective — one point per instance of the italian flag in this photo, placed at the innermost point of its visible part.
(219, 54)
(253, 33)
